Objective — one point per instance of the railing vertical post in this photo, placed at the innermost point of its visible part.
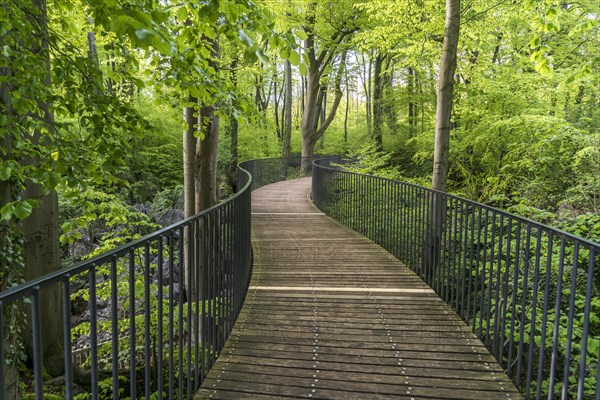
(572, 290)
(37, 344)
(132, 330)
(557, 313)
(505, 291)
(114, 320)
(159, 339)
(94, 333)
(514, 300)
(523, 311)
(3, 335)
(586, 325)
(147, 305)
(535, 287)
(66, 311)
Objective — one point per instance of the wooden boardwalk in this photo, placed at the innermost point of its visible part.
(331, 315)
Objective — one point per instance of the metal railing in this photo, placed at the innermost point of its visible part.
(158, 310)
(528, 291)
(166, 303)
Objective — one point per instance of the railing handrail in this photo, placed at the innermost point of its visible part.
(15, 292)
(556, 231)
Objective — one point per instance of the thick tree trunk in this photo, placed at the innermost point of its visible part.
(377, 103)
(7, 243)
(310, 133)
(309, 118)
(190, 116)
(41, 232)
(445, 95)
(207, 190)
(206, 159)
(41, 253)
(437, 201)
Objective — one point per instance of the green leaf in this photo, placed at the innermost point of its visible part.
(301, 34)
(245, 39)
(182, 14)
(5, 171)
(551, 12)
(294, 57)
(23, 209)
(7, 211)
(262, 56)
(302, 68)
(534, 42)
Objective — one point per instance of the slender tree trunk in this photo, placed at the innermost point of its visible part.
(276, 107)
(287, 120)
(302, 93)
(369, 105)
(412, 107)
(377, 103)
(366, 81)
(322, 118)
(233, 133)
(95, 72)
(445, 95)
(346, 113)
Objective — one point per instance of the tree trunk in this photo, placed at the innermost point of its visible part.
(347, 106)
(323, 112)
(95, 74)
(190, 116)
(366, 82)
(310, 133)
(287, 120)
(233, 133)
(276, 107)
(412, 106)
(41, 231)
(8, 245)
(206, 159)
(207, 148)
(377, 103)
(369, 92)
(437, 201)
(445, 94)
(189, 152)
(41, 253)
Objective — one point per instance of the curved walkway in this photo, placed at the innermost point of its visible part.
(329, 314)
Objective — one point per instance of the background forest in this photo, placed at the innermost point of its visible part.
(119, 117)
